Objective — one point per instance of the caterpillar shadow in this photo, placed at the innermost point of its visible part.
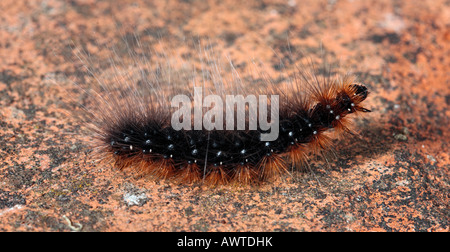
(373, 141)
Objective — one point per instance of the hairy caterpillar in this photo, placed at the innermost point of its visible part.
(133, 114)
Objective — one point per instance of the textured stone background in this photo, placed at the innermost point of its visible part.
(394, 178)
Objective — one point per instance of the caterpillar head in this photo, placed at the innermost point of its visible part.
(360, 93)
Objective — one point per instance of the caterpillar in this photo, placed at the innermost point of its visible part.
(132, 119)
